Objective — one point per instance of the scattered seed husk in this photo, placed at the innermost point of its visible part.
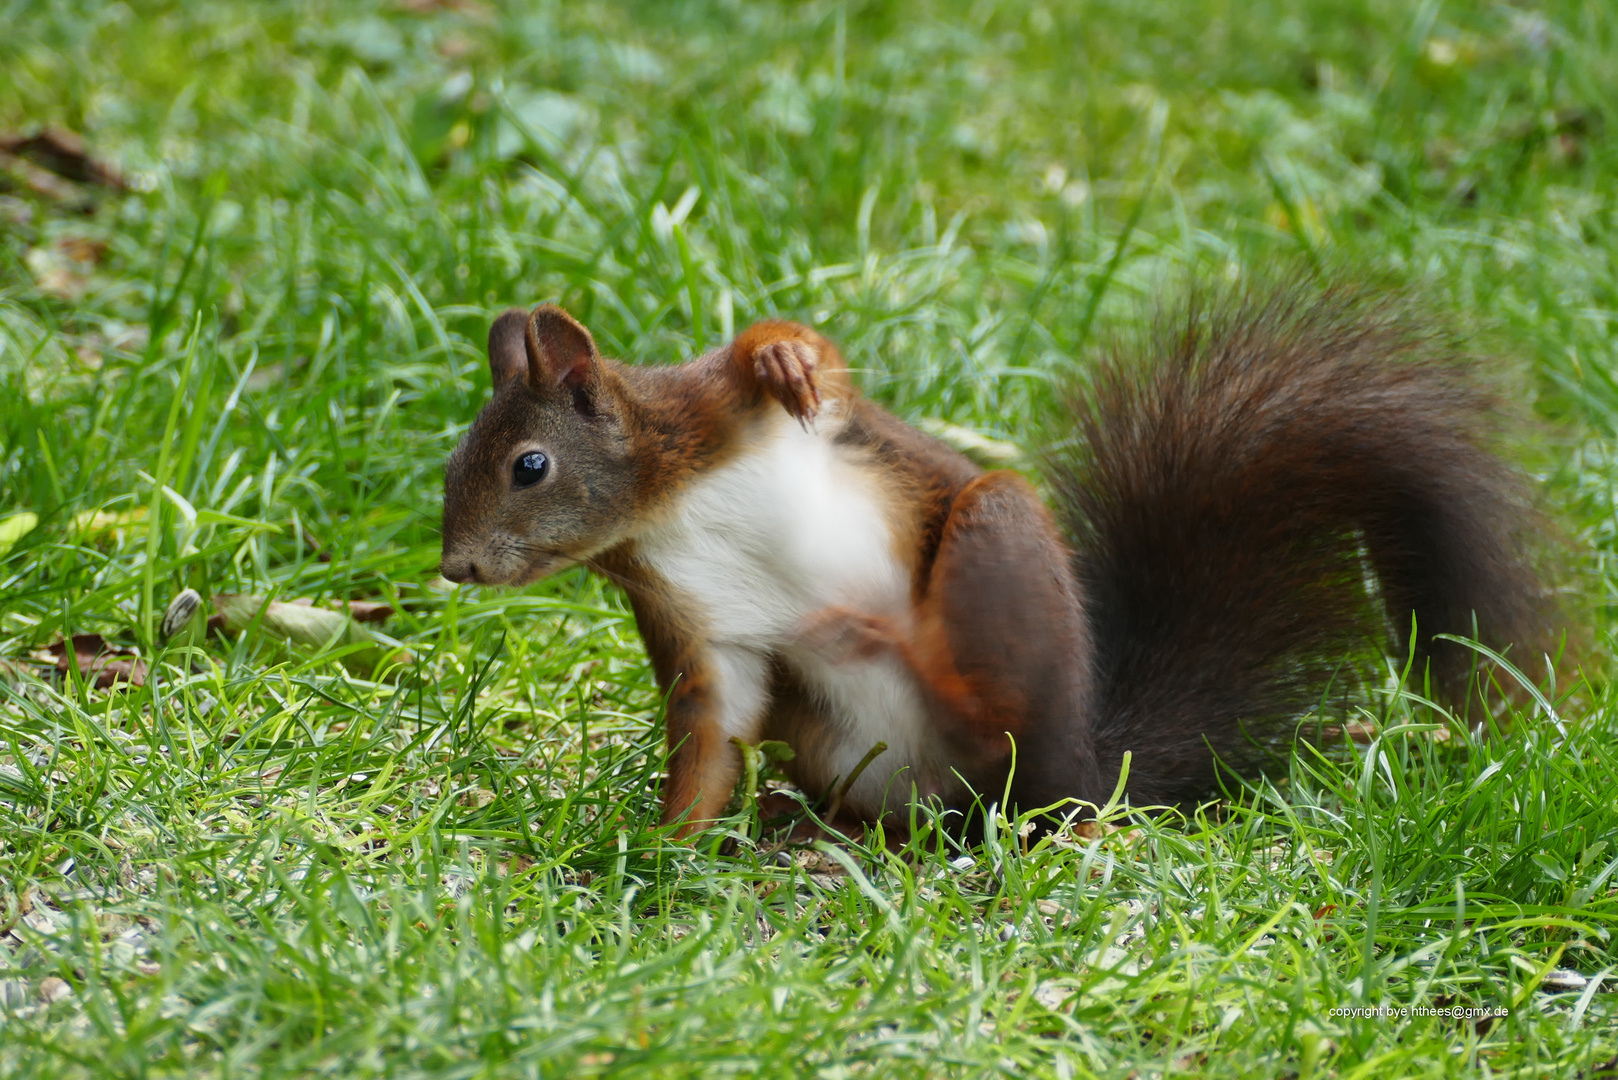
(179, 615)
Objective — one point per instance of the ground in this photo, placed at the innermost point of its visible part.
(241, 330)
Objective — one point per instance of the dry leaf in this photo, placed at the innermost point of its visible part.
(369, 611)
(41, 181)
(1360, 731)
(99, 663)
(82, 249)
(300, 622)
(64, 153)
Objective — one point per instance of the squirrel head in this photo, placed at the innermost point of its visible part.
(544, 477)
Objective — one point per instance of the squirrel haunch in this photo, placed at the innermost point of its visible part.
(1272, 484)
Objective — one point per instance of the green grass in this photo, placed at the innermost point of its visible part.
(263, 864)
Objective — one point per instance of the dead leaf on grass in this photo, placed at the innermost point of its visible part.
(98, 663)
(83, 249)
(296, 620)
(1360, 731)
(370, 610)
(64, 153)
(358, 610)
(301, 622)
(41, 182)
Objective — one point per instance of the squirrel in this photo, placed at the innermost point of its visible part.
(1282, 478)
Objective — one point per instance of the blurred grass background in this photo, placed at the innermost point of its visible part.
(240, 372)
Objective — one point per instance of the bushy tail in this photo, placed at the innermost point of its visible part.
(1277, 482)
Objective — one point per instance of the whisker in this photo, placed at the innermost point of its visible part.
(617, 579)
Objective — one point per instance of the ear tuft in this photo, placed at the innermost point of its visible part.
(508, 352)
(561, 351)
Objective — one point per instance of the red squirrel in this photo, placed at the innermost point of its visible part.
(1288, 478)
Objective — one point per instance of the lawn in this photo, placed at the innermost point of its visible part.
(239, 338)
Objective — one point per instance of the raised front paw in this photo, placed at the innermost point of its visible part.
(839, 634)
(787, 370)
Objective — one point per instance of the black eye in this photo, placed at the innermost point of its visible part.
(530, 469)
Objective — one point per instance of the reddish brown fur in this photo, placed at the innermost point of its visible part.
(1220, 500)
(700, 781)
(696, 417)
(1224, 504)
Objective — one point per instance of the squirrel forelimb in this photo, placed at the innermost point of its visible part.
(804, 567)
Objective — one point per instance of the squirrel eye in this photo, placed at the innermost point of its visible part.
(530, 469)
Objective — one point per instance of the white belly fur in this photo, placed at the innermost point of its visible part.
(788, 529)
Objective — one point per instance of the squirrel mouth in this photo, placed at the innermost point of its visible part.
(544, 565)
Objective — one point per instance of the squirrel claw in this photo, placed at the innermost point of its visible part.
(787, 370)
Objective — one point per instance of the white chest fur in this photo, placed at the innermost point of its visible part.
(787, 529)
(791, 527)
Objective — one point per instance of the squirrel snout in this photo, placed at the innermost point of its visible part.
(462, 573)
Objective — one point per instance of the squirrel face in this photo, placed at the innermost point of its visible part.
(543, 478)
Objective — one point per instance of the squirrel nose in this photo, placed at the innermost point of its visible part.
(461, 575)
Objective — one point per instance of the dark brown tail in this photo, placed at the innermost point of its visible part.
(1288, 479)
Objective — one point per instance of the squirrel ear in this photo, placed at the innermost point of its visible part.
(561, 352)
(508, 351)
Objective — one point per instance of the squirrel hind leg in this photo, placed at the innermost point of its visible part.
(1004, 648)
